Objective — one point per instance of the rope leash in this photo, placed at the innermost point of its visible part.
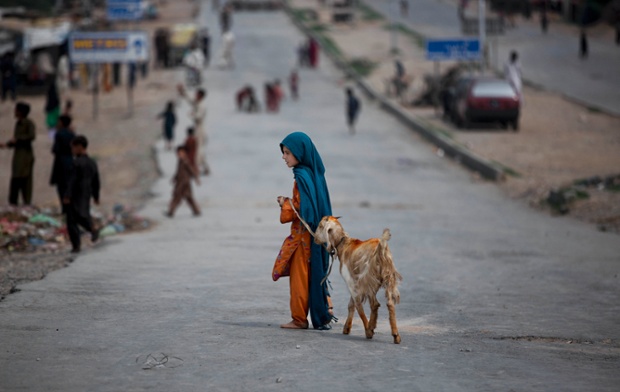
(332, 253)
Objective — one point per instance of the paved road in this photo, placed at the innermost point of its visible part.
(549, 60)
(481, 273)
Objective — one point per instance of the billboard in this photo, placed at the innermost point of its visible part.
(108, 47)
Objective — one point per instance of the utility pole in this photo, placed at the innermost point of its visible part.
(482, 31)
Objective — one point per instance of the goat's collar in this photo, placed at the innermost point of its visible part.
(335, 248)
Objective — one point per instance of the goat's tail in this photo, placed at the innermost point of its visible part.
(390, 277)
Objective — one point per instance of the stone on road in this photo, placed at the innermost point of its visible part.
(495, 296)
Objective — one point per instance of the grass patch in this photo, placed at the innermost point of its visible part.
(319, 28)
(508, 170)
(368, 13)
(303, 15)
(362, 66)
(329, 45)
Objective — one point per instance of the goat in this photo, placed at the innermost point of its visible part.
(365, 266)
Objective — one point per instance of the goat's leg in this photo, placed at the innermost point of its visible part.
(360, 310)
(347, 324)
(392, 312)
(374, 313)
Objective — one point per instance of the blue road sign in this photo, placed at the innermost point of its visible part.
(452, 49)
(108, 47)
(124, 9)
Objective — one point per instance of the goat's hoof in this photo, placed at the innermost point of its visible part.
(346, 330)
(396, 339)
(369, 334)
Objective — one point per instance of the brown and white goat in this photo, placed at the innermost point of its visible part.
(366, 266)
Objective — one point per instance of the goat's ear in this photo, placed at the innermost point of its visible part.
(337, 217)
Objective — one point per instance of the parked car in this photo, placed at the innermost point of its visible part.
(482, 99)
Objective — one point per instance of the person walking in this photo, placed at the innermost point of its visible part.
(63, 156)
(293, 82)
(182, 184)
(583, 45)
(513, 74)
(52, 109)
(313, 53)
(198, 114)
(205, 45)
(226, 18)
(352, 109)
(228, 44)
(22, 165)
(169, 121)
(9, 75)
(82, 185)
(63, 75)
(404, 8)
(305, 262)
(191, 146)
(194, 61)
(544, 18)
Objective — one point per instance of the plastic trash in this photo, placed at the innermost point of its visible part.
(45, 219)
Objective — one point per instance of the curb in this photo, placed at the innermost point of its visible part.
(457, 152)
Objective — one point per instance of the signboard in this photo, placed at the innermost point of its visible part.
(124, 9)
(108, 47)
(452, 49)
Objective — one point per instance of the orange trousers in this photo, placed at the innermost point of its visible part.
(300, 287)
(299, 284)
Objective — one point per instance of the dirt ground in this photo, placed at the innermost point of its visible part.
(121, 144)
(558, 143)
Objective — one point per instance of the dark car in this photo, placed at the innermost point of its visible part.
(483, 99)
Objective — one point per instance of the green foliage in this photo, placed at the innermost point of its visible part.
(362, 66)
(319, 28)
(329, 45)
(302, 14)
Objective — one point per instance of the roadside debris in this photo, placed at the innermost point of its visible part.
(28, 229)
(165, 361)
(559, 200)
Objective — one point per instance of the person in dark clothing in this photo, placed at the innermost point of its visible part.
(52, 109)
(23, 157)
(169, 122)
(353, 108)
(82, 185)
(583, 45)
(9, 75)
(205, 45)
(544, 19)
(246, 100)
(226, 18)
(63, 156)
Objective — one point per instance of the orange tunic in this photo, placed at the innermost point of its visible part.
(293, 260)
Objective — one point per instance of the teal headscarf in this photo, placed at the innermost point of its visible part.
(314, 205)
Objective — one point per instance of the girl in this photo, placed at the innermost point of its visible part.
(169, 121)
(300, 258)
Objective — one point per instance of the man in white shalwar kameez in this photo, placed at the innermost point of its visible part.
(512, 73)
(228, 43)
